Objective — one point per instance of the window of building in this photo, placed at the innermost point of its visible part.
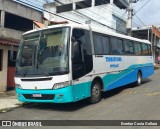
(145, 50)
(129, 49)
(64, 8)
(18, 23)
(117, 46)
(1, 59)
(120, 25)
(83, 4)
(137, 47)
(101, 2)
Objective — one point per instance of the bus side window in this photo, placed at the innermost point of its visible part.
(117, 46)
(145, 50)
(120, 46)
(137, 47)
(106, 45)
(129, 49)
(101, 44)
(97, 38)
(76, 54)
(149, 48)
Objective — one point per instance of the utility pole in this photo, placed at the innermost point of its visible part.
(129, 19)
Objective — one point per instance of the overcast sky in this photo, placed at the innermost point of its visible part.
(149, 14)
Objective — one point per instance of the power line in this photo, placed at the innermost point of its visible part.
(140, 20)
(96, 20)
(92, 18)
(110, 10)
(134, 21)
(142, 6)
(63, 16)
(95, 13)
(47, 11)
(101, 17)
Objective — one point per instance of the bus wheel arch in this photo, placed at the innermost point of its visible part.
(99, 80)
(96, 90)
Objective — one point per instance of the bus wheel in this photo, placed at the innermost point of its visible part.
(139, 79)
(95, 93)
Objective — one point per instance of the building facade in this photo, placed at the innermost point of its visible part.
(151, 33)
(15, 19)
(109, 14)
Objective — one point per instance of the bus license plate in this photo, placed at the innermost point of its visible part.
(37, 95)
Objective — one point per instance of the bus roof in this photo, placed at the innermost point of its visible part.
(95, 29)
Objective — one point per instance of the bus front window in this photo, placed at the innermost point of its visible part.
(46, 50)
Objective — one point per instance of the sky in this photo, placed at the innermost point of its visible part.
(148, 15)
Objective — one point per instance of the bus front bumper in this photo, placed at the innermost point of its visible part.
(63, 95)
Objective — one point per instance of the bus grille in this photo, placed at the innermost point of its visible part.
(43, 97)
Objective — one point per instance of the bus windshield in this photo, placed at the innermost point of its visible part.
(43, 52)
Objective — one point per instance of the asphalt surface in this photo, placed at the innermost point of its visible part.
(125, 103)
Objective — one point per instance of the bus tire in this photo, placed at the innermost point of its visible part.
(139, 79)
(95, 93)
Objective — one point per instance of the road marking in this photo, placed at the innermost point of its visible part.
(129, 92)
(153, 94)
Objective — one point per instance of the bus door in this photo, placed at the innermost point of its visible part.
(82, 62)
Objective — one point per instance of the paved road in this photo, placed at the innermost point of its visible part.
(126, 103)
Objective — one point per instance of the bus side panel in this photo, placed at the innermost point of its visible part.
(124, 77)
(127, 76)
(81, 90)
(147, 71)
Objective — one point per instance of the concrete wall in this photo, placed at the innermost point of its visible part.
(10, 33)
(20, 10)
(102, 13)
(3, 73)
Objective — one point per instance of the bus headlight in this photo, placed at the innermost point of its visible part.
(61, 85)
(18, 86)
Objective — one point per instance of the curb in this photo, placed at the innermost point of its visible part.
(155, 68)
(7, 109)
(17, 105)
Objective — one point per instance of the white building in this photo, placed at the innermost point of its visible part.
(109, 14)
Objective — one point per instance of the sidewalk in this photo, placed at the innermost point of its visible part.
(9, 101)
(156, 66)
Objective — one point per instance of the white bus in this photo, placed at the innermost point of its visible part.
(71, 62)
